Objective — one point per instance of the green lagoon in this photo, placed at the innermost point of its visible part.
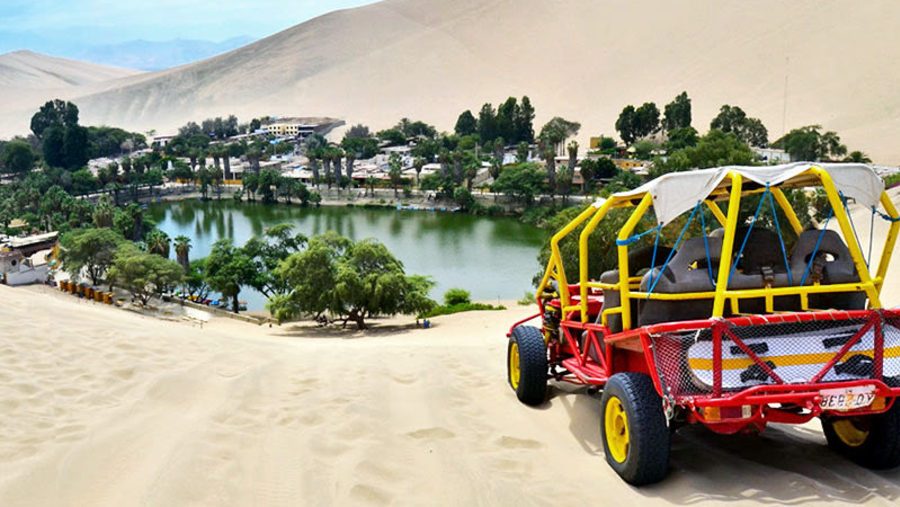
(493, 258)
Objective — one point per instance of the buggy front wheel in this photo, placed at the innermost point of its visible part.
(526, 365)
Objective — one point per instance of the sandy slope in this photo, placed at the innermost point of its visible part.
(789, 63)
(26, 69)
(104, 407)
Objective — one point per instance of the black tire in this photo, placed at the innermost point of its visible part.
(645, 459)
(529, 380)
(879, 445)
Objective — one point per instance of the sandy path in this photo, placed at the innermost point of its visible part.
(105, 407)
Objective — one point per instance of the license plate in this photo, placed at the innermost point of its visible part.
(849, 398)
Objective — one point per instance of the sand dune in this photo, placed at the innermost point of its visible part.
(29, 79)
(26, 69)
(789, 63)
(100, 406)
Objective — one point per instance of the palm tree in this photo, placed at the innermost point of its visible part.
(573, 157)
(103, 212)
(158, 243)
(351, 158)
(418, 164)
(336, 155)
(182, 248)
(858, 157)
(458, 165)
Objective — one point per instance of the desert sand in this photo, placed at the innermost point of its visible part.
(100, 406)
(787, 63)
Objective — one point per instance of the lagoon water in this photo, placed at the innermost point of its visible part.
(493, 258)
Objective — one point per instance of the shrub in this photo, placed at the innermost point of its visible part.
(457, 296)
(462, 307)
(527, 299)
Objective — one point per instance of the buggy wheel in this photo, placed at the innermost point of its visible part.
(872, 441)
(635, 436)
(526, 365)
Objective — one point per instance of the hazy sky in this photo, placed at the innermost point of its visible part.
(45, 24)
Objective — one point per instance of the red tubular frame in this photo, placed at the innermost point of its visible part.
(617, 353)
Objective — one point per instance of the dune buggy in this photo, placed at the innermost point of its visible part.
(747, 318)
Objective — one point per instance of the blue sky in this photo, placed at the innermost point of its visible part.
(55, 25)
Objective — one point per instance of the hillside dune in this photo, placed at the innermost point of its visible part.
(26, 69)
(789, 63)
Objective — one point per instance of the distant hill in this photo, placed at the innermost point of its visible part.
(788, 63)
(156, 55)
(34, 71)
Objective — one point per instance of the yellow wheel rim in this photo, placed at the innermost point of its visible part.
(616, 426)
(514, 365)
(849, 432)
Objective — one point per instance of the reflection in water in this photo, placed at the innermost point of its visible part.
(490, 257)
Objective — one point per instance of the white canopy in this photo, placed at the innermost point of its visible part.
(675, 193)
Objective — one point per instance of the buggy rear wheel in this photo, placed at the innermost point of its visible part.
(872, 441)
(526, 365)
(635, 435)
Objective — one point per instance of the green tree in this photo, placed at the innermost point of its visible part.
(625, 125)
(677, 113)
(858, 157)
(680, 138)
(634, 124)
(487, 123)
(734, 120)
(524, 122)
(808, 143)
(143, 274)
(182, 251)
(17, 157)
(75, 147)
(457, 296)
(104, 212)
(90, 251)
(158, 243)
(267, 252)
(250, 183)
(54, 113)
(84, 182)
(522, 150)
(195, 279)
(466, 124)
(353, 281)
(646, 119)
(52, 146)
(463, 198)
(228, 269)
(521, 181)
(395, 172)
(712, 150)
(393, 136)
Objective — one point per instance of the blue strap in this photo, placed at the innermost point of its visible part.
(871, 235)
(747, 236)
(787, 266)
(885, 216)
(655, 247)
(628, 241)
(816, 249)
(706, 246)
(850, 217)
(672, 253)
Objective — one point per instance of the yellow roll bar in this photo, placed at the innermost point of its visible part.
(629, 286)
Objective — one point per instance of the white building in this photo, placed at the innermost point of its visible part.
(26, 260)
